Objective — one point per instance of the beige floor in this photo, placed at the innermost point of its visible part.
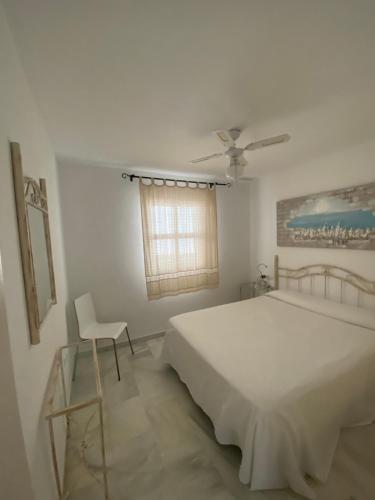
(161, 446)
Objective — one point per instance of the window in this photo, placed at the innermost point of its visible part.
(179, 239)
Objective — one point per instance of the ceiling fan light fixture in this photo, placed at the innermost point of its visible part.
(234, 172)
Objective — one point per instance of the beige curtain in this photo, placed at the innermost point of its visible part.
(179, 239)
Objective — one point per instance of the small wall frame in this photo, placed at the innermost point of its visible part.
(35, 244)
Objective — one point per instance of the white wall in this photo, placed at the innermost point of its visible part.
(15, 477)
(104, 250)
(20, 121)
(343, 169)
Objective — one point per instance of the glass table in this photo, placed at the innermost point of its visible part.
(63, 401)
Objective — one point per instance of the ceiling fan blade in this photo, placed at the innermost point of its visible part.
(268, 142)
(225, 138)
(204, 158)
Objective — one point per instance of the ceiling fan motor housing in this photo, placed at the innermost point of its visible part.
(234, 152)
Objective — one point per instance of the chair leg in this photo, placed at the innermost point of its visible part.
(75, 362)
(130, 342)
(115, 350)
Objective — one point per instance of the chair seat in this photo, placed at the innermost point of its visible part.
(104, 331)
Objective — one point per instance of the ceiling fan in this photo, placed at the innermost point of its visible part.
(237, 159)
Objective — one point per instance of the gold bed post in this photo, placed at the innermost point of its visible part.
(276, 271)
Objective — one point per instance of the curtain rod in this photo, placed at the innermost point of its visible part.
(209, 183)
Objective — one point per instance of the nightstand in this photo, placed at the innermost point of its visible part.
(252, 289)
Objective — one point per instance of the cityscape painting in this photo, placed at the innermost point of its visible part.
(344, 218)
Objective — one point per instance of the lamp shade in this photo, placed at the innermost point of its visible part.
(234, 172)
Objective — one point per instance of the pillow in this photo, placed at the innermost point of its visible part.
(355, 315)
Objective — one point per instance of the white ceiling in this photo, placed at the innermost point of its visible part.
(144, 82)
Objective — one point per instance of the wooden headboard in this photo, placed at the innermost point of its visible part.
(328, 272)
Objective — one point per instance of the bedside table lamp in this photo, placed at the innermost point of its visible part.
(262, 284)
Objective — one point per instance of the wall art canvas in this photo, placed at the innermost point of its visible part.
(344, 218)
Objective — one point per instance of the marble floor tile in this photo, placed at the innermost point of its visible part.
(92, 492)
(118, 391)
(137, 475)
(193, 476)
(124, 422)
(155, 381)
(107, 364)
(84, 386)
(155, 345)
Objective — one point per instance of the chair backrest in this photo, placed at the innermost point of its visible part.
(85, 312)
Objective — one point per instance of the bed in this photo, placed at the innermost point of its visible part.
(280, 375)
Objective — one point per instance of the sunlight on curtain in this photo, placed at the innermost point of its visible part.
(179, 239)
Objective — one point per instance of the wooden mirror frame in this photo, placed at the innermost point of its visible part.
(30, 192)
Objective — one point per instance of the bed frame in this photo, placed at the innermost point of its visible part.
(328, 272)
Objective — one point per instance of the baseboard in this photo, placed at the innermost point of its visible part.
(137, 340)
(83, 351)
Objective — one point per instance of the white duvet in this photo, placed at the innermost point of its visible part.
(277, 380)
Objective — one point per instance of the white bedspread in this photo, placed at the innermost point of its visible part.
(277, 380)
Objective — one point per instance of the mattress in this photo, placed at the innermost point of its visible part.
(279, 376)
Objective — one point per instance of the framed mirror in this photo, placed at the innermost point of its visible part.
(35, 244)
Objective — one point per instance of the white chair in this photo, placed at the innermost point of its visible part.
(89, 328)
